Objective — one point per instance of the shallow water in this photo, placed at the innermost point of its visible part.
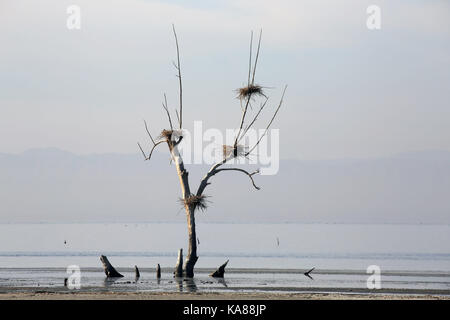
(250, 280)
(409, 256)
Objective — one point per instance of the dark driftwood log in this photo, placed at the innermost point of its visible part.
(307, 273)
(136, 271)
(110, 271)
(220, 271)
(158, 272)
(179, 267)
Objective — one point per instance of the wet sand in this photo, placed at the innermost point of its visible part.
(241, 284)
(42, 295)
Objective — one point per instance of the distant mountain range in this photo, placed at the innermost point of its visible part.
(58, 186)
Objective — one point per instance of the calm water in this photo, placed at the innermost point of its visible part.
(410, 256)
(325, 246)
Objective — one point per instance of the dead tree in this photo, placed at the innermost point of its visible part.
(173, 136)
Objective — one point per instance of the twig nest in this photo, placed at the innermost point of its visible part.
(171, 134)
(250, 90)
(196, 202)
(166, 134)
(231, 151)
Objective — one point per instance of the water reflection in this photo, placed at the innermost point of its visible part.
(187, 284)
(179, 283)
(109, 281)
(190, 285)
(222, 282)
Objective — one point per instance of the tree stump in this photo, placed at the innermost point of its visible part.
(220, 271)
(158, 272)
(136, 271)
(179, 267)
(110, 271)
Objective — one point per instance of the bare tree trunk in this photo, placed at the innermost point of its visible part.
(191, 257)
(183, 175)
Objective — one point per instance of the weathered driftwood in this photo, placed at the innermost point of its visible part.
(220, 271)
(158, 272)
(178, 272)
(110, 271)
(307, 273)
(136, 271)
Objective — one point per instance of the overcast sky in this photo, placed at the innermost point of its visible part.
(353, 92)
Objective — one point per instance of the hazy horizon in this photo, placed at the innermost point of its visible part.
(51, 185)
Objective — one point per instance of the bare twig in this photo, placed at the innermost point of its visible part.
(178, 67)
(250, 175)
(151, 151)
(244, 113)
(254, 119)
(178, 117)
(250, 59)
(271, 120)
(143, 153)
(256, 59)
(167, 111)
(148, 132)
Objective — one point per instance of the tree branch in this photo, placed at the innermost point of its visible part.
(178, 117)
(167, 111)
(250, 59)
(250, 175)
(151, 151)
(178, 67)
(212, 171)
(244, 113)
(254, 119)
(256, 59)
(271, 120)
(148, 132)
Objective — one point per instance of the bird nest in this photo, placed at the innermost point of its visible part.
(166, 134)
(231, 151)
(195, 202)
(250, 90)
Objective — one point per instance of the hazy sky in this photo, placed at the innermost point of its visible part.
(353, 92)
